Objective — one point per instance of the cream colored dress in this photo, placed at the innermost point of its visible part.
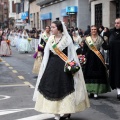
(37, 63)
(60, 107)
(5, 48)
(69, 103)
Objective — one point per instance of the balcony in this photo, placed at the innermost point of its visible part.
(42, 2)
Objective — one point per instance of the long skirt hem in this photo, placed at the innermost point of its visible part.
(98, 88)
(37, 63)
(64, 106)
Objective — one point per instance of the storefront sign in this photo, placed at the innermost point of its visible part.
(46, 16)
(63, 12)
(24, 15)
(71, 10)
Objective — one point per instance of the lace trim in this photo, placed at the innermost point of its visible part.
(56, 99)
(61, 45)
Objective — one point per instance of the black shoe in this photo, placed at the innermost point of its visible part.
(118, 97)
(91, 95)
(65, 117)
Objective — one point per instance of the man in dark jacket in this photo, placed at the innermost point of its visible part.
(87, 32)
(114, 46)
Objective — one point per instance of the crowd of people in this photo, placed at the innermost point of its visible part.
(61, 87)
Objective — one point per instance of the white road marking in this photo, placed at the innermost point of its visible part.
(10, 111)
(7, 64)
(10, 67)
(14, 71)
(3, 97)
(13, 85)
(29, 84)
(34, 117)
(21, 77)
(38, 117)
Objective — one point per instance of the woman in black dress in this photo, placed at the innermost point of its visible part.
(95, 71)
(58, 92)
(39, 52)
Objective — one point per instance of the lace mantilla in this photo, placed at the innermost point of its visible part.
(63, 43)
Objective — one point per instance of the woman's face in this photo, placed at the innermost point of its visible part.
(54, 29)
(94, 31)
(105, 29)
(25, 32)
(73, 33)
(47, 29)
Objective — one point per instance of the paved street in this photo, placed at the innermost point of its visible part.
(16, 90)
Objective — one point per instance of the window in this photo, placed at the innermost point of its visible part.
(117, 8)
(22, 6)
(13, 7)
(98, 15)
(18, 8)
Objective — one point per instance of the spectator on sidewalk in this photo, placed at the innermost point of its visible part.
(87, 32)
(114, 49)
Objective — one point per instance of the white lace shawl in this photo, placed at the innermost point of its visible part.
(79, 85)
(24, 35)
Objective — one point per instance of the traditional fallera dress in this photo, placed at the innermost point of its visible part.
(10, 37)
(24, 45)
(39, 53)
(58, 92)
(18, 40)
(95, 73)
(77, 40)
(13, 41)
(5, 48)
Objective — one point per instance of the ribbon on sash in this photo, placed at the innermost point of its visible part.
(44, 36)
(59, 53)
(70, 66)
(90, 44)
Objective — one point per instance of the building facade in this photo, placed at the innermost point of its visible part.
(22, 14)
(104, 12)
(34, 15)
(12, 13)
(73, 12)
(4, 13)
(18, 20)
